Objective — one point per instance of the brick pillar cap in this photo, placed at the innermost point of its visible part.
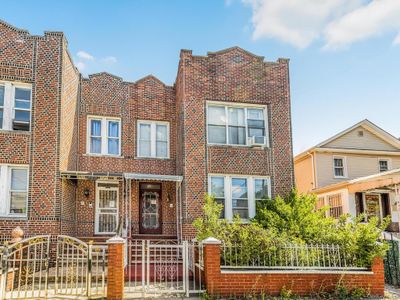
(211, 241)
(116, 240)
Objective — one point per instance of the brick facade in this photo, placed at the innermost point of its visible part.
(57, 144)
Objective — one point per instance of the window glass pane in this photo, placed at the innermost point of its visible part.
(256, 132)
(1, 95)
(22, 104)
(95, 127)
(1, 118)
(383, 165)
(339, 172)
(161, 133)
(236, 116)
(261, 189)
(22, 94)
(144, 148)
(95, 145)
(161, 150)
(239, 188)
(255, 123)
(217, 187)
(216, 115)
(255, 114)
(22, 115)
(338, 162)
(145, 132)
(113, 129)
(113, 146)
(237, 135)
(216, 134)
(18, 203)
(19, 179)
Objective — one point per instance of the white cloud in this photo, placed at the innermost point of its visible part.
(84, 55)
(338, 22)
(80, 65)
(372, 19)
(109, 60)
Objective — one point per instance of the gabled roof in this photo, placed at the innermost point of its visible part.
(366, 124)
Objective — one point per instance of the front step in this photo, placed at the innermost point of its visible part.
(154, 237)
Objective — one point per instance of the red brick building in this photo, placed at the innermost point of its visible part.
(82, 156)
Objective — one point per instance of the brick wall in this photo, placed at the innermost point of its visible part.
(239, 283)
(35, 60)
(232, 75)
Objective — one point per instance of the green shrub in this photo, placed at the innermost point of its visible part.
(293, 219)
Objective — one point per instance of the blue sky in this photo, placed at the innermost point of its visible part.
(344, 54)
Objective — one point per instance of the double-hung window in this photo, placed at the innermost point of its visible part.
(13, 190)
(239, 194)
(383, 165)
(339, 167)
(236, 124)
(15, 106)
(153, 139)
(104, 136)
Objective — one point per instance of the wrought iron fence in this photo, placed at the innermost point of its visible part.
(392, 262)
(163, 267)
(288, 257)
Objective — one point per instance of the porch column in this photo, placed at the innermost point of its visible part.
(115, 277)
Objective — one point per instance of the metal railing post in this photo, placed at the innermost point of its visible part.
(4, 272)
(185, 268)
(143, 266)
(89, 270)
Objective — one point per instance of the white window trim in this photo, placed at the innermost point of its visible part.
(104, 135)
(9, 104)
(228, 192)
(97, 209)
(153, 138)
(344, 158)
(245, 106)
(389, 163)
(5, 190)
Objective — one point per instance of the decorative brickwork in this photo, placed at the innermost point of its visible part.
(62, 102)
(244, 283)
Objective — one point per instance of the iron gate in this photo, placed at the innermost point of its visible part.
(80, 268)
(24, 268)
(39, 267)
(163, 267)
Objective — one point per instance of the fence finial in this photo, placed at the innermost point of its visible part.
(16, 235)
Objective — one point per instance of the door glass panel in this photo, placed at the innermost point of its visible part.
(150, 217)
(372, 206)
(107, 210)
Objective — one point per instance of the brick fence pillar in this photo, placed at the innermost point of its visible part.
(212, 264)
(115, 274)
(378, 285)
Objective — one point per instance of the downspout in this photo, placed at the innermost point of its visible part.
(313, 170)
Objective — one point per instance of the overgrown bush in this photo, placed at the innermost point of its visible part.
(293, 219)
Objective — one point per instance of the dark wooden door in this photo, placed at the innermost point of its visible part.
(150, 221)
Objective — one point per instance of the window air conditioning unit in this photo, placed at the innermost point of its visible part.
(258, 141)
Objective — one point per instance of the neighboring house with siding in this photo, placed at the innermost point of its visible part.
(355, 171)
(80, 156)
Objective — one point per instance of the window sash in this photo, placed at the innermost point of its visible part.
(159, 146)
(107, 143)
(383, 165)
(235, 131)
(17, 191)
(227, 197)
(339, 167)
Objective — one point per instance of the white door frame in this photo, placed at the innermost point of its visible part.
(97, 209)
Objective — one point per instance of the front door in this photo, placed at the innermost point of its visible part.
(150, 208)
(372, 205)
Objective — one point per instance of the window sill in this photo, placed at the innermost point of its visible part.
(14, 217)
(259, 148)
(152, 158)
(15, 131)
(102, 155)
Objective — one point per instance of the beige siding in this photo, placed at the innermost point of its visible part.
(357, 166)
(368, 141)
(304, 175)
